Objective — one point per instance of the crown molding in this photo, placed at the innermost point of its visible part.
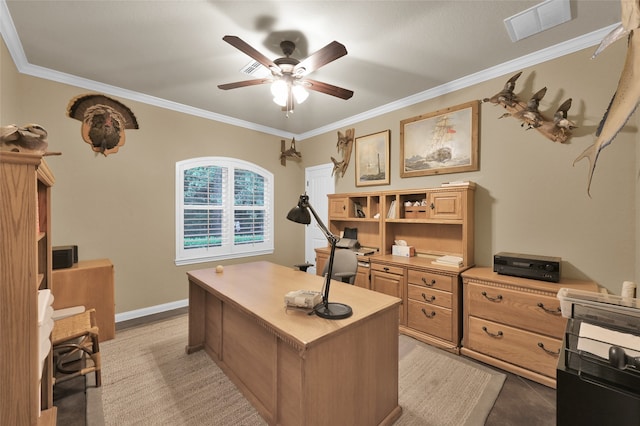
(11, 39)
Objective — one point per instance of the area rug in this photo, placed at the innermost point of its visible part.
(147, 379)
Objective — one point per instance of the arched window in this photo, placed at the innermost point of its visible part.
(224, 210)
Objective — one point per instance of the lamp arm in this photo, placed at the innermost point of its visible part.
(328, 235)
(333, 240)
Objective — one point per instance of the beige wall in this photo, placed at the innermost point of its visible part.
(530, 198)
(121, 207)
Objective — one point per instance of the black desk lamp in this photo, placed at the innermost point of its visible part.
(300, 214)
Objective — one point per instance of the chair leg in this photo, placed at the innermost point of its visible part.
(97, 361)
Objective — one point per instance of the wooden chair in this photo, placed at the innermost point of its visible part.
(75, 347)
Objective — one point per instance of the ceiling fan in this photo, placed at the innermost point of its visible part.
(289, 74)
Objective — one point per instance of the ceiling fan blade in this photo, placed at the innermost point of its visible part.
(329, 53)
(244, 83)
(327, 88)
(242, 46)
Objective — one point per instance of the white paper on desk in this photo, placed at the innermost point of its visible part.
(598, 340)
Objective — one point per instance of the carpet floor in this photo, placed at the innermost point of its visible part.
(147, 379)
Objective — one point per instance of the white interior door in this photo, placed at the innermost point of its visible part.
(318, 183)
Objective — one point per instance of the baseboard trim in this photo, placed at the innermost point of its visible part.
(138, 313)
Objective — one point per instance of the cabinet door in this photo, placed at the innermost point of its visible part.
(321, 260)
(339, 207)
(390, 284)
(445, 205)
(362, 277)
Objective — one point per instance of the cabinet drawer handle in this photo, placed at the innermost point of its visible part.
(498, 334)
(556, 311)
(428, 299)
(541, 346)
(498, 298)
(386, 269)
(430, 283)
(432, 206)
(431, 315)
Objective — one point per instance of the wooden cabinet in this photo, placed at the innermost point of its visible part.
(88, 283)
(361, 211)
(26, 385)
(445, 205)
(436, 222)
(515, 323)
(431, 297)
(363, 274)
(338, 207)
(389, 279)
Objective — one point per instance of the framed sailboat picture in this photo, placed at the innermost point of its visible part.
(445, 141)
(372, 159)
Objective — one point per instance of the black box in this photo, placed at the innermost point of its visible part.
(544, 268)
(64, 256)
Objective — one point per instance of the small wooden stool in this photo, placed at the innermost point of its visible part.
(75, 338)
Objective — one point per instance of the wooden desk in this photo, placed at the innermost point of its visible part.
(298, 369)
(88, 283)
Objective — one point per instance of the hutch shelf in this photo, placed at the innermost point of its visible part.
(26, 385)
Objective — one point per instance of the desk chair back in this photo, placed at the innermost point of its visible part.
(345, 266)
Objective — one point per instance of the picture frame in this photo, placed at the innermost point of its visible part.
(440, 142)
(372, 159)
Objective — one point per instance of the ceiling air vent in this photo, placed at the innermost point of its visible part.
(538, 18)
(255, 69)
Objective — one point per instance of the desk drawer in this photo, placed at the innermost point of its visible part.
(533, 312)
(387, 268)
(431, 280)
(430, 319)
(532, 351)
(429, 296)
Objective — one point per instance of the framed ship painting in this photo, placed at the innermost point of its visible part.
(372, 159)
(445, 141)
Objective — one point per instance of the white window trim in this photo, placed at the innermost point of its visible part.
(229, 250)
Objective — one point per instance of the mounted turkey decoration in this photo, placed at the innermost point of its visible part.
(288, 79)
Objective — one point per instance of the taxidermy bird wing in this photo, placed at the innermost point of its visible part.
(560, 117)
(531, 115)
(506, 97)
(31, 138)
(627, 94)
(103, 121)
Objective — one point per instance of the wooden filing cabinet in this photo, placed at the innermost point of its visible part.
(89, 283)
(431, 301)
(389, 279)
(431, 304)
(515, 323)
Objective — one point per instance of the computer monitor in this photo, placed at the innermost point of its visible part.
(350, 233)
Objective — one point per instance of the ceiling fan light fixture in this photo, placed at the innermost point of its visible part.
(279, 89)
(300, 93)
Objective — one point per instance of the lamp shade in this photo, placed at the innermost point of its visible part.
(300, 213)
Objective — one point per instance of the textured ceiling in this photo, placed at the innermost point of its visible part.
(171, 53)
